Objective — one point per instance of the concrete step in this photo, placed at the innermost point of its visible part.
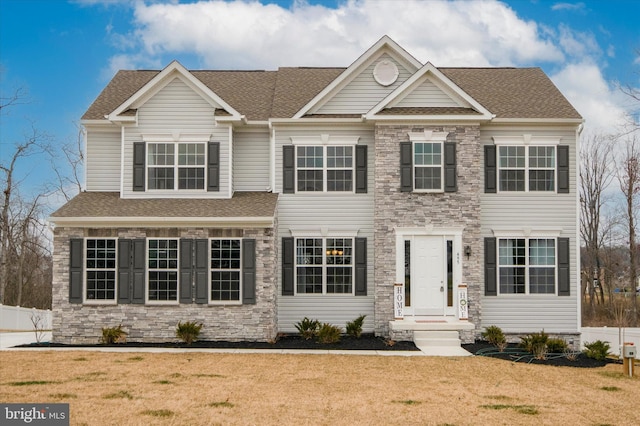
(439, 343)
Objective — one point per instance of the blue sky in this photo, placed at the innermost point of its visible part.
(64, 53)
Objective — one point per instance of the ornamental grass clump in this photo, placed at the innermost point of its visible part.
(536, 343)
(494, 335)
(328, 333)
(597, 350)
(308, 328)
(189, 331)
(111, 335)
(354, 328)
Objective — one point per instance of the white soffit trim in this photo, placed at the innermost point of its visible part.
(146, 222)
(164, 77)
(384, 45)
(527, 139)
(510, 232)
(317, 231)
(443, 82)
(325, 139)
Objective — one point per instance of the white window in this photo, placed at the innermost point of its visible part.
(427, 166)
(168, 169)
(100, 269)
(324, 265)
(324, 168)
(527, 168)
(225, 271)
(162, 270)
(527, 265)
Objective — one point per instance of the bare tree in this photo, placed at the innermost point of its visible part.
(17, 219)
(70, 176)
(596, 174)
(629, 179)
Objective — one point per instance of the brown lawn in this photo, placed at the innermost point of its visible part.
(244, 389)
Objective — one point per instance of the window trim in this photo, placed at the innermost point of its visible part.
(416, 166)
(527, 284)
(210, 301)
(325, 140)
(324, 266)
(148, 301)
(85, 300)
(527, 140)
(428, 136)
(176, 166)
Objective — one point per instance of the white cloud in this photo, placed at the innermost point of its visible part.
(249, 35)
(596, 100)
(569, 6)
(242, 34)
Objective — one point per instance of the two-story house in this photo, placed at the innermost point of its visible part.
(425, 198)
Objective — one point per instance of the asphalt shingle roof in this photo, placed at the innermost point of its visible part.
(260, 95)
(109, 204)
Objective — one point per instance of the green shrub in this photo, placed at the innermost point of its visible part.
(494, 335)
(307, 327)
(354, 328)
(597, 350)
(189, 331)
(328, 333)
(557, 346)
(536, 343)
(111, 335)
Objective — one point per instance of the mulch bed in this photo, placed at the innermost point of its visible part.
(365, 342)
(515, 354)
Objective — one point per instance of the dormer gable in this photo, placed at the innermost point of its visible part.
(126, 112)
(429, 94)
(383, 66)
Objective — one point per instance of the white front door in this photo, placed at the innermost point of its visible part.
(428, 276)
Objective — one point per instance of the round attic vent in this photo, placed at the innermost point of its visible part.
(385, 73)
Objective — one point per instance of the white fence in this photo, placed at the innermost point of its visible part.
(17, 318)
(613, 335)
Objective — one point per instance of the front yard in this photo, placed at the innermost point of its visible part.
(206, 389)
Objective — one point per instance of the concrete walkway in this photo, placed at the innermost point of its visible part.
(9, 340)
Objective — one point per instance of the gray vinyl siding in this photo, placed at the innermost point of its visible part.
(332, 212)
(251, 159)
(534, 210)
(427, 94)
(103, 159)
(177, 108)
(363, 92)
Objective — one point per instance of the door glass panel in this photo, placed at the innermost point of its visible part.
(407, 273)
(449, 273)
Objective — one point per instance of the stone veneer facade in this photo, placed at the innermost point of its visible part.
(78, 323)
(396, 209)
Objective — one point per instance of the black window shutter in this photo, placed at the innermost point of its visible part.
(406, 166)
(201, 271)
(76, 250)
(124, 271)
(249, 272)
(564, 270)
(563, 169)
(186, 270)
(490, 267)
(289, 169)
(450, 178)
(361, 266)
(138, 271)
(288, 266)
(490, 169)
(361, 169)
(213, 172)
(139, 155)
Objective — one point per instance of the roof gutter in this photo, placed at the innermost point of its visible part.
(163, 222)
